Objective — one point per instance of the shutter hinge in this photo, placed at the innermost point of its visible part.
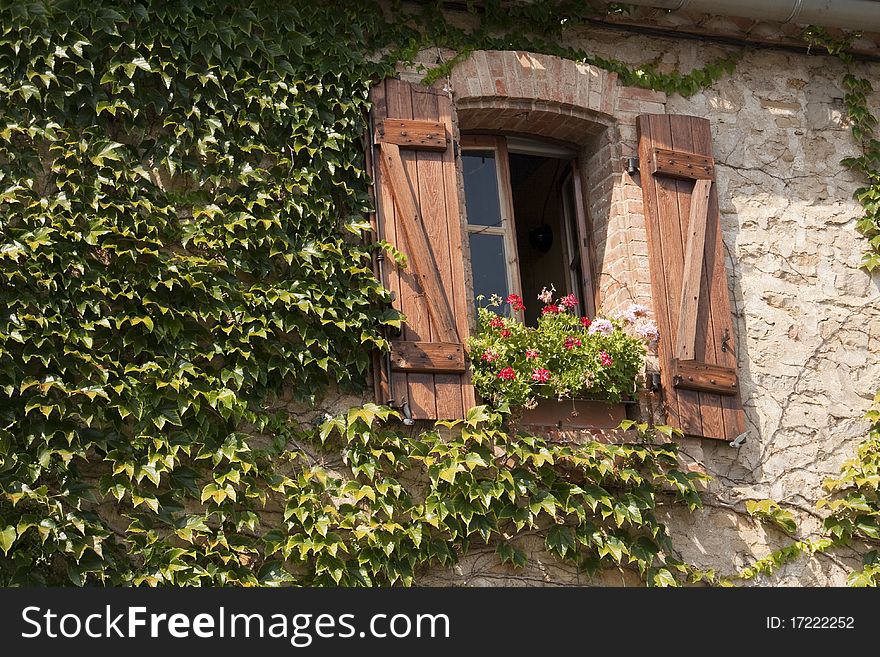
(454, 149)
(725, 338)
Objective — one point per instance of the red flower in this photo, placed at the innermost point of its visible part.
(552, 308)
(489, 355)
(541, 375)
(496, 322)
(607, 360)
(569, 301)
(507, 374)
(515, 302)
(585, 322)
(571, 343)
(531, 353)
(505, 333)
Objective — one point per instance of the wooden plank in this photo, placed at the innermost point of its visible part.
(707, 407)
(414, 134)
(584, 241)
(420, 386)
(693, 271)
(457, 233)
(717, 296)
(427, 356)
(678, 164)
(508, 221)
(715, 379)
(421, 259)
(432, 207)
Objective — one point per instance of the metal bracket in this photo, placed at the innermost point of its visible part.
(632, 165)
(725, 338)
(739, 440)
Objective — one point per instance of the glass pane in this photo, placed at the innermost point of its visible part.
(481, 188)
(489, 266)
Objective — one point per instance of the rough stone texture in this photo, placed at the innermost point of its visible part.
(807, 317)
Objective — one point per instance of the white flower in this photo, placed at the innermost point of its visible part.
(546, 295)
(601, 325)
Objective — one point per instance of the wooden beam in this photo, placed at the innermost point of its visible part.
(691, 375)
(693, 271)
(427, 356)
(421, 258)
(678, 164)
(419, 135)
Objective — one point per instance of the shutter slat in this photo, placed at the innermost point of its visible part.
(688, 278)
(424, 135)
(693, 271)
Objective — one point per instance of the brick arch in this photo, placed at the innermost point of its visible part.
(541, 95)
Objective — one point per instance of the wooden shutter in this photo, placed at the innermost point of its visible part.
(418, 212)
(688, 278)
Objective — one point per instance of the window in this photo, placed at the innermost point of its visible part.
(525, 221)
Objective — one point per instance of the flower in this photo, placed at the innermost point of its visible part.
(571, 343)
(531, 353)
(541, 375)
(607, 360)
(647, 330)
(569, 301)
(515, 302)
(546, 295)
(603, 326)
(496, 322)
(505, 333)
(585, 322)
(635, 311)
(507, 374)
(552, 308)
(489, 355)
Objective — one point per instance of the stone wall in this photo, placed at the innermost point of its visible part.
(807, 317)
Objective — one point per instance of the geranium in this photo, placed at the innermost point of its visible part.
(540, 375)
(647, 330)
(531, 353)
(515, 302)
(606, 360)
(507, 374)
(496, 322)
(505, 333)
(546, 295)
(569, 301)
(552, 308)
(603, 326)
(571, 343)
(635, 311)
(489, 355)
(585, 322)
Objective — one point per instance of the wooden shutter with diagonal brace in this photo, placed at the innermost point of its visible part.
(418, 212)
(688, 278)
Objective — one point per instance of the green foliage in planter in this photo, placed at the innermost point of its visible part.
(563, 356)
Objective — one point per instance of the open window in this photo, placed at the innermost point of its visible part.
(525, 221)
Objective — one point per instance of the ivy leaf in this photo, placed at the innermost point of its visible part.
(7, 538)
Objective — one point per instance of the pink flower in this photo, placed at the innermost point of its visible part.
(647, 330)
(607, 360)
(496, 322)
(546, 295)
(571, 343)
(507, 374)
(515, 302)
(541, 375)
(603, 326)
(505, 333)
(489, 355)
(585, 322)
(569, 301)
(531, 353)
(635, 311)
(552, 308)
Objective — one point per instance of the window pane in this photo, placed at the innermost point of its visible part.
(481, 188)
(489, 266)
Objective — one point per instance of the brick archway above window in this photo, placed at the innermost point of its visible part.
(536, 94)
